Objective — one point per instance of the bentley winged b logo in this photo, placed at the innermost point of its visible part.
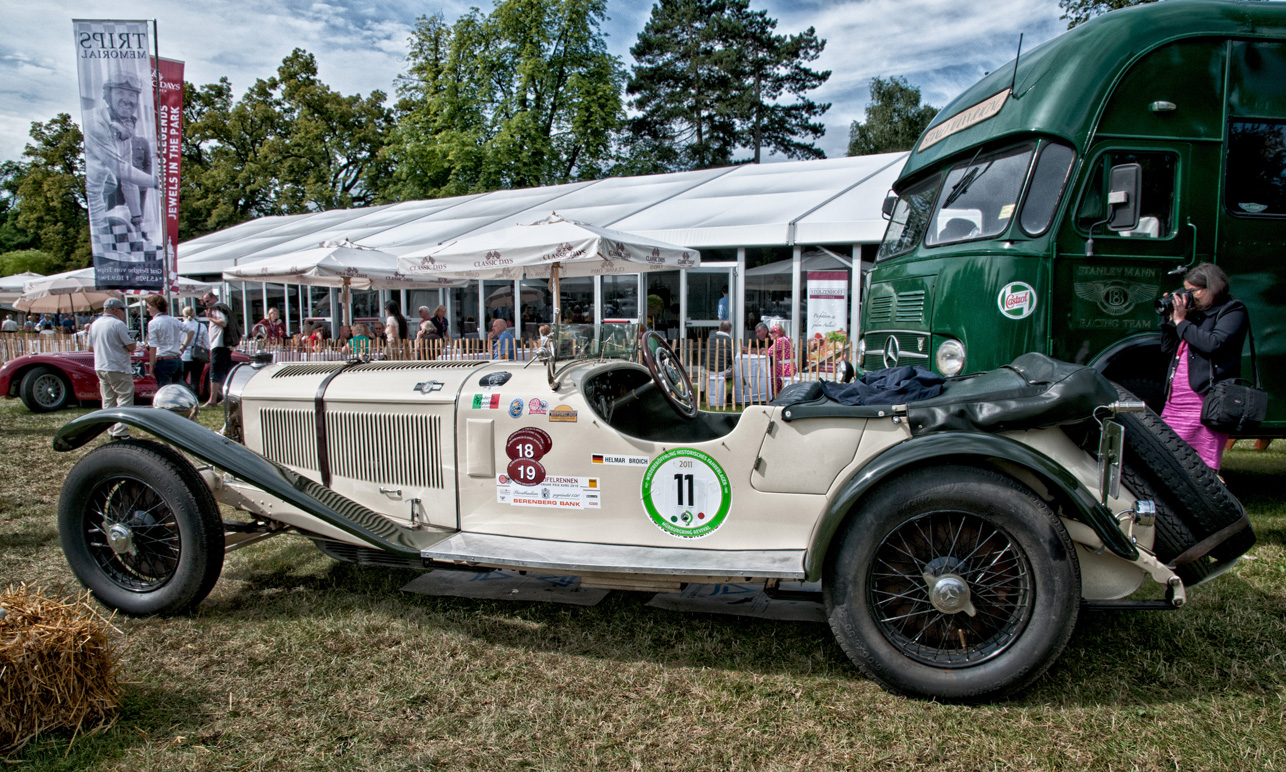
(1115, 297)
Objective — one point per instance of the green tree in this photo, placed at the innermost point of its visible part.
(710, 80)
(894, 119)
(12, 235)
(524, 96)
(50, 192)
(21, 260)
(770, 66)
(291, 144)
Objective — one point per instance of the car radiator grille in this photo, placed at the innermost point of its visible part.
(290, 436)
(360, 445)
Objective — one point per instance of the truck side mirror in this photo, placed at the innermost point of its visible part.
(1124, 182)
(887, 208)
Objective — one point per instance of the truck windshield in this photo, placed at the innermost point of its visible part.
(979, 197)
(910, 215)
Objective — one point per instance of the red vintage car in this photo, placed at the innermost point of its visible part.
(51, 381)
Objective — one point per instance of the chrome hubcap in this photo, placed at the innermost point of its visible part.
(949, 594)
(121, 539)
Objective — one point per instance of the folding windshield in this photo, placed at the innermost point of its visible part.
(979, 198)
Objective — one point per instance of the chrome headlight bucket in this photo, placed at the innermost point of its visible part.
(950, 359)
(233, 388)
(177, 398)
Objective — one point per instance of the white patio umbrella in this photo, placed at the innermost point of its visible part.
(11, 286)
(549, 248)
(340, 264)
(64, 292)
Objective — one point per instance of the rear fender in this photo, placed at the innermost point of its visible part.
(959, 447)
(237, 460)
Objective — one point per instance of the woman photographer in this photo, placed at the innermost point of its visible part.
(1202, 332)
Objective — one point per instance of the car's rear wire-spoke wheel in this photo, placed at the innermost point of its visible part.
(132, 534)
(932, 586)
(950, 589)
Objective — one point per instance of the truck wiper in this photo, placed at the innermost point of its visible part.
(962, 185)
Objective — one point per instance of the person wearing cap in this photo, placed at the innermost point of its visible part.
(118, 164)
(112, 345)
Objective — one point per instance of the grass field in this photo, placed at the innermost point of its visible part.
(298, 662)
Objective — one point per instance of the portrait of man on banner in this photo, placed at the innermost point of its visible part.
(122, 184)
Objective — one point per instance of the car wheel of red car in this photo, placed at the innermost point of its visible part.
(44, 390)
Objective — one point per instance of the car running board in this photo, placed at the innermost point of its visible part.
(581, 558)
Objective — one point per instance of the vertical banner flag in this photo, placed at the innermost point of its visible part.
(170, 119)
(827, 301)
(118, 117)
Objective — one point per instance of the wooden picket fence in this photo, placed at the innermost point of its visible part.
(752, 382)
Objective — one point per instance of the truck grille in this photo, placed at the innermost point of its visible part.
(913, 348)
(910, 307)
(880, 310)
(394, 449)
(290, 436)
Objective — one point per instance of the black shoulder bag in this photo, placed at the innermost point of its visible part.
(1234, 406)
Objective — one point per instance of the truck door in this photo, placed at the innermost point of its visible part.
(1252, 215)
(1166, 116)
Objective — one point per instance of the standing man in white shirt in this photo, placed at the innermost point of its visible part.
(164, 342)
(220, 353)
(112, 345)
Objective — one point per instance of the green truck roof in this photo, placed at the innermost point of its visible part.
(1062, 84)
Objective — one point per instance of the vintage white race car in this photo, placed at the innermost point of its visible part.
(956, 538)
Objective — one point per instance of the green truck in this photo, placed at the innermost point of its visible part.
(1050, 205)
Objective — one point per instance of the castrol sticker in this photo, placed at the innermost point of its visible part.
(1017, 300)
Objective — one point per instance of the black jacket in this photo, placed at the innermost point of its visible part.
(1214, 337)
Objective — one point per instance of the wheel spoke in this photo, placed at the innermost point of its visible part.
(958, 543)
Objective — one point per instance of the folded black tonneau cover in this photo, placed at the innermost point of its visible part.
(1031, 392)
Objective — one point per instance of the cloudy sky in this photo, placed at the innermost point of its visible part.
(942, 46)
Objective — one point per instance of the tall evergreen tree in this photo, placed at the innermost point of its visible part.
(770, 66)
(894, 119)
(709, 82)
(524, 96)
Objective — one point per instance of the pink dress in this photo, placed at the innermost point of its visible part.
(1183, 413)
(783, 361)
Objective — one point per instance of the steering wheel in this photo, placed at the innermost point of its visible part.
(668, 374)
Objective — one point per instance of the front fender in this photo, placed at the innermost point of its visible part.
(239, 461)
(959, 446)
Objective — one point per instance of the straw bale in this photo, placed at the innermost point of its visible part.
(57, 667)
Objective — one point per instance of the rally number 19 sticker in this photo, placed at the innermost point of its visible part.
(686, 493)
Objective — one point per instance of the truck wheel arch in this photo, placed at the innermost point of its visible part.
(1008, 457)
(1137, 364)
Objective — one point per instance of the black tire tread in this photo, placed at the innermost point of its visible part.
(1164, 459)
(1172, 534)
(207, 540)
(27, 385)
(855, 528)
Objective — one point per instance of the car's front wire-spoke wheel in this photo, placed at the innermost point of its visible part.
(140, 530)
(954, 583)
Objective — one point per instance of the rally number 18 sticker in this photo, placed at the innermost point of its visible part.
(686, 493)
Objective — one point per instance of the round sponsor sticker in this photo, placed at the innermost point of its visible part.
(686, 493)
(526, 471)
(528, 442)
(1017, 300)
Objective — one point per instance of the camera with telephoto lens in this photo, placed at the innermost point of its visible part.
(1165, 304)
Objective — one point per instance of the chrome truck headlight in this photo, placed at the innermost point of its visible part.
(233, 387)
(861, 351)
(950, 358)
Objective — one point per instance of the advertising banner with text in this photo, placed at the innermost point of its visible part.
(827, 301)
(118, 118)
(170, 119)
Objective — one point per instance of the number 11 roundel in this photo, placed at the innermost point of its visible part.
(686, 493)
